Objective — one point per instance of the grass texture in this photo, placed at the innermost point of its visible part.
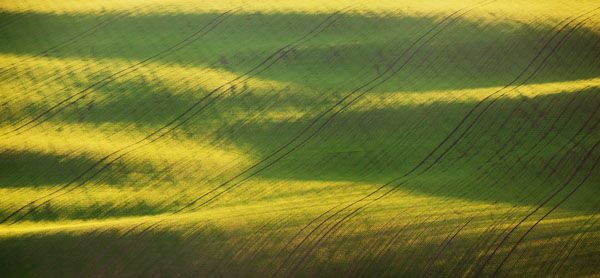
(299, 138)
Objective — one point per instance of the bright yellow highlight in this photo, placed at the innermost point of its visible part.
(536, 10)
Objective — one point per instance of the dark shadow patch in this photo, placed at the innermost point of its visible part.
(30, 169)
(466, 54)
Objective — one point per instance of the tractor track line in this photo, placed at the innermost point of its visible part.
(426, 158)
(69, 41)
(309, 126)
(108, 156)
(547, 199)
(561, 201)
(53, 110)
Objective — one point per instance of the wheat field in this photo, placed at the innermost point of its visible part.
(328, 138)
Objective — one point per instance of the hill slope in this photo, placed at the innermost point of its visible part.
(275, 138)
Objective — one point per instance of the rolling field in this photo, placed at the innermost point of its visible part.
(299, 139)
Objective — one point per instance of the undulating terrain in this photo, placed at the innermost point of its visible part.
(299, 138)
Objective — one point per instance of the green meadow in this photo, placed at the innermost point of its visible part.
(299, 139)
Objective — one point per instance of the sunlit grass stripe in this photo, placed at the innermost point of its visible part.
(69, 41)
(335, 110)
(460, 124)
(206, 28)
(172, 124)
(46, 115)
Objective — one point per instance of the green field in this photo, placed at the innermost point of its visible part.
(311, 138)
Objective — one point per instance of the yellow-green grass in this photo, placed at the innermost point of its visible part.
(454, 138)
